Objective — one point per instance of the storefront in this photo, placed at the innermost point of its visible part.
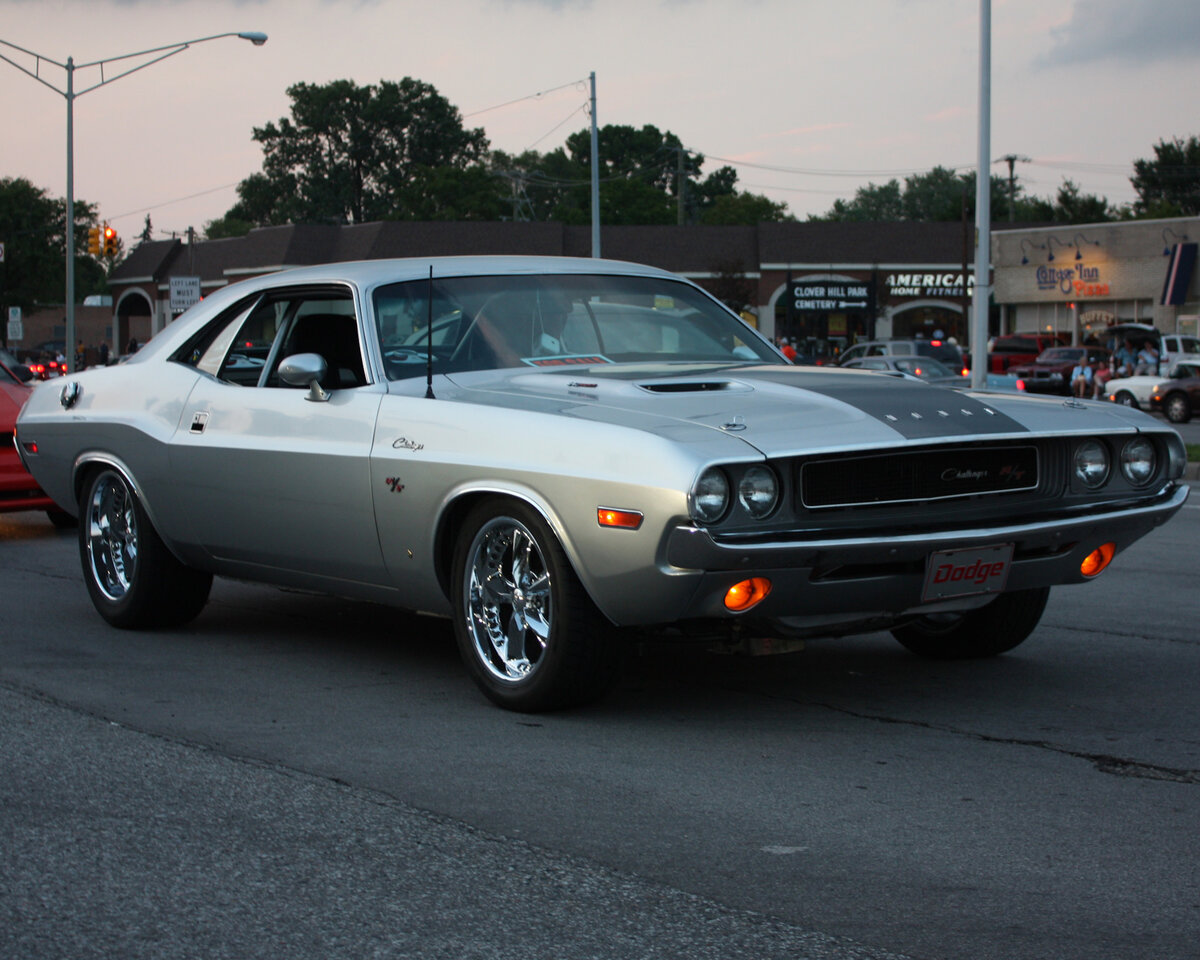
(1080, 279)
(824, 313)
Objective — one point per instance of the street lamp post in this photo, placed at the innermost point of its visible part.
(70, 93)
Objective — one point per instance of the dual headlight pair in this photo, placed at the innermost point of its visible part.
(1092, 462)
(757, 493)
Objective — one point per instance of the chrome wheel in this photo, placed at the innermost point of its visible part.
(507, 594)
(112, 536)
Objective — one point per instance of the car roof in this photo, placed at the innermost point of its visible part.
(369, 272)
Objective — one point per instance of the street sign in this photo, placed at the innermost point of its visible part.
(16, 329)
(185, 291)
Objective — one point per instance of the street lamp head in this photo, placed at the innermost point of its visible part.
(258, 39)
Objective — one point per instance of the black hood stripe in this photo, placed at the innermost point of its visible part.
(917, 411)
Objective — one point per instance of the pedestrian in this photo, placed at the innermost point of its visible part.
(1081, 378)
(131, 346)
(104, 353)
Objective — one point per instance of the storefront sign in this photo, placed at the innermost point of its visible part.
(1076, 281)
(928, 285)
(831, 295)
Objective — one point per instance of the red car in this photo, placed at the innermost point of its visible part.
(18, 490)
(1051, 371)
(1021, 348)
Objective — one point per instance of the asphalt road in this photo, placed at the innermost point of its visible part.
(296, 776)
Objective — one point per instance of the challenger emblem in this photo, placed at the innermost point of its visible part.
(405, 444)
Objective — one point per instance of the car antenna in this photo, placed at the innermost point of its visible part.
(429, 342)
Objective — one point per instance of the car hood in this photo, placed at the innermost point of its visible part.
(785, 411)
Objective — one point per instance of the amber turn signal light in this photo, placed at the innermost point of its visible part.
(626, 519)
(1095, 562)
(747, 593)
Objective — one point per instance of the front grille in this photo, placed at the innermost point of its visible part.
(905, 477)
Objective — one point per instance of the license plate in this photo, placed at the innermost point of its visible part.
(961, 573)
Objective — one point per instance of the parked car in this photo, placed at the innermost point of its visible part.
(923, 368)
(936, 372)
(600, 450)
(1137, 391)
(46, 369)
(18, 489)
(1169, 350)
(15, 367)
(1178, 348)
(1016, 349)
(1177, 398)
(1051, 371)
(943, 350)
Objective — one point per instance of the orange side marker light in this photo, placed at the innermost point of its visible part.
(625, 519)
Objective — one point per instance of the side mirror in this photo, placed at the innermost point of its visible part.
(305, 370)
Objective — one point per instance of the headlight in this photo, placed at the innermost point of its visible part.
(710, 496)
(758, 491)
(1138, 461)
(1091, 463)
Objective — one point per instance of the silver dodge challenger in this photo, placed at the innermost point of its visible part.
(559, 454)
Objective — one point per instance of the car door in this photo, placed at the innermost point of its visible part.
(274, 478)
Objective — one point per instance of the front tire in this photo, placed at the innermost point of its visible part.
(1127, 399)
(133, 579)
(1177, 408)
(984, 632)
(529, 634)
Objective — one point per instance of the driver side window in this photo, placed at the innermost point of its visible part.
(246, 343)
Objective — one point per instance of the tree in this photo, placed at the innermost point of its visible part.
(1072, 206)
(147, 233)
(351, 154)
(1169, 185)
(640, 182)
(744, 209)
(33, 226)
(942, 195)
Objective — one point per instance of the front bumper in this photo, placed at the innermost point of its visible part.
(880, 578)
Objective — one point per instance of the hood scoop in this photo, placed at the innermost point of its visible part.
(691, 386)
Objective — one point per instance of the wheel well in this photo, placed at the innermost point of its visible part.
(451, 523)
(450, 528)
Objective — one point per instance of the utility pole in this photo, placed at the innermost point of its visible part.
(1011, 159)
(983, 204)
(680, 184)
(595, 174)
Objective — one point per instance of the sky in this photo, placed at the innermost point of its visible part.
(808, 100)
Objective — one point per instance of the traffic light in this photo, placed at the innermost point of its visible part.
(110, 241)
(94, 241)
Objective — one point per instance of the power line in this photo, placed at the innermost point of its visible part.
(532, 96)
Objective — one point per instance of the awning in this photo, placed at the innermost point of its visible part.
(1179, 274)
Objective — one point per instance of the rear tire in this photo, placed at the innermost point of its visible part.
(529, 634)
(133, 579)
(984, 632)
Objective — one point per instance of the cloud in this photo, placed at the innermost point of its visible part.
(1128, 32)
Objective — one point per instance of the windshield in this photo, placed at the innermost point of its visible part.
(488, 323)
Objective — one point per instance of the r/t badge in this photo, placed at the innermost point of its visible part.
(395, 484)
